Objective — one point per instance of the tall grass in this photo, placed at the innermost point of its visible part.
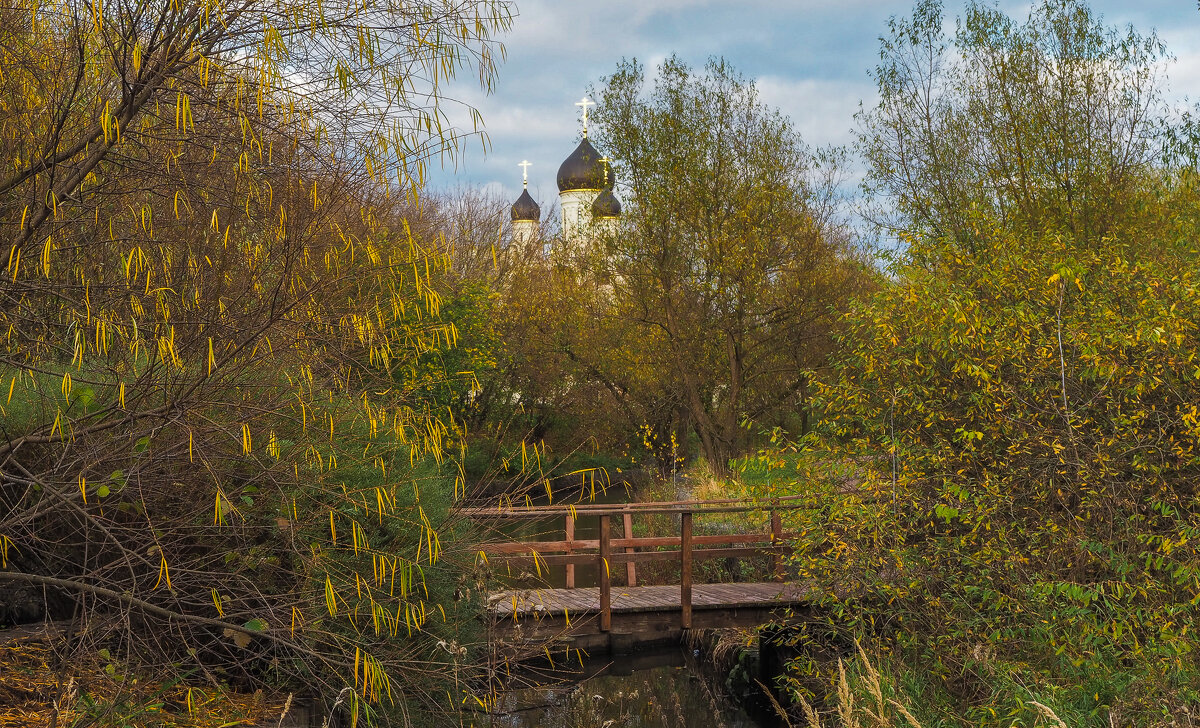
(868, 699)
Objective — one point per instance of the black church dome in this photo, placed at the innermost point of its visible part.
(583, 170)
(606, 205)
(525, 208)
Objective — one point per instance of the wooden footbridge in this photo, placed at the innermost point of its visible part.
(621, 617)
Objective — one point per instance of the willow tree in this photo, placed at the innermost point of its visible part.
(206, 299)
(732, 258)
(1046, 123)
(1019, 405)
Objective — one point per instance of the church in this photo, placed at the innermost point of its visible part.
(585, 194)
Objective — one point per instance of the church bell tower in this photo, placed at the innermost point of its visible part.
(526, 215)
(585, 184)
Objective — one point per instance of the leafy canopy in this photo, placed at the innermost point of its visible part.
(1014, 415)
(207, 290)
(731, 259)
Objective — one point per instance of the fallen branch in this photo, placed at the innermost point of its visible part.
(163, 612)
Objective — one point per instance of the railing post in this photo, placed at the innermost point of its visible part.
(776, 541)
(685, 568)
(630, 567)
(602, 572)
(570, 529)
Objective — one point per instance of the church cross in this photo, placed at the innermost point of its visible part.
(585, 103)
(605, 160)
(525, 165)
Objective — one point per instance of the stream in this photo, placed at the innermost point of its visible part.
(664, 688)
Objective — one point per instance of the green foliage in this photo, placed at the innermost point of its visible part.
(1007, 503)
(718, 290)
(220, 336)
(1048, 122)
(574, 374)
(451, 377)
(1025, 418)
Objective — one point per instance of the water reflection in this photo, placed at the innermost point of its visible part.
(660, 689)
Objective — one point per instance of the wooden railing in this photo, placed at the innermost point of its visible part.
(688, 547)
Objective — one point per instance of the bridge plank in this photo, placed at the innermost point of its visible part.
(585, 601)
(644, 556)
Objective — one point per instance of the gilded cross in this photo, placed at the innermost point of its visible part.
(525, 165)
(585, 103)
(605, 161)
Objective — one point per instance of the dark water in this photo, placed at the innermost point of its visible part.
(664, 688)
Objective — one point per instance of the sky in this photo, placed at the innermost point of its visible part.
(810, 59)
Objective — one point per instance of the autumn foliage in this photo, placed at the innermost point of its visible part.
(211, 451)
(1027, 419)
(1011, 438)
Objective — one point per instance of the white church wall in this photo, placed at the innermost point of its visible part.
(576, 212)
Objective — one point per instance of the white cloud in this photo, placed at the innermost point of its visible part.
(500, 190)
(1184, 75)
(821, 109)
(810, 57)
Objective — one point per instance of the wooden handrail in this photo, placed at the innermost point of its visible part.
(627, 530)
(570, 533)
(726, 505)
(776, 538)
(641, 557)
(638, 542)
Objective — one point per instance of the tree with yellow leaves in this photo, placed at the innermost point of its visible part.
(732, 259)
(1018, 406)
(206, 296)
